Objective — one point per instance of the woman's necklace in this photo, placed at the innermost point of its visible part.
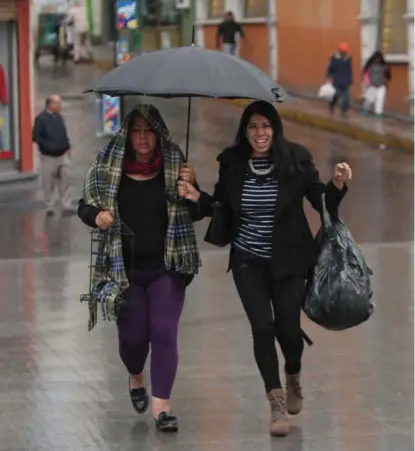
(260, 171)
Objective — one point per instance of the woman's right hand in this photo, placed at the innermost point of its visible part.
(188, 191)
(104, 220)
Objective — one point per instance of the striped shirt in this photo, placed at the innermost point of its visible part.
(257, 212)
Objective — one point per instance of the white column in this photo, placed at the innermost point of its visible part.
(273, 39)
(237, 7)
(200, 14)
(97, 17)
(409, 16)
(369, 24)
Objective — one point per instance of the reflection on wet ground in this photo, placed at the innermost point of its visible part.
(65, 389)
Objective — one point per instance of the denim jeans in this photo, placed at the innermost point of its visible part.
(342, 97)
(229, 48)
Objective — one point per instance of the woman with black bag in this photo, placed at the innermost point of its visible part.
(257, 207)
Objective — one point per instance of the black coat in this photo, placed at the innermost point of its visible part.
(294, 249)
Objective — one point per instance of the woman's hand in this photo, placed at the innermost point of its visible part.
(342, 173)
(188, 191)
(104, 220)
(187, 174)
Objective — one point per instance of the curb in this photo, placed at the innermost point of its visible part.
(18, 177)
(293, 115)
(360, 134)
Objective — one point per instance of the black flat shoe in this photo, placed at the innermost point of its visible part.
(139, 398)
(167, 422)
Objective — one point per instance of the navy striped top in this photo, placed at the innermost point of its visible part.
(257, 212)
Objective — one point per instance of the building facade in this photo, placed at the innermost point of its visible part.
(292, 40)
(16, 147)
(257, 19)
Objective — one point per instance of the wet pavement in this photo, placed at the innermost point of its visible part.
(65, 389)
(402, 127)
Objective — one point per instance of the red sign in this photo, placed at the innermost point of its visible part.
(6, 154)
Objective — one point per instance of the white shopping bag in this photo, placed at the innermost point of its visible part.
(326, 91)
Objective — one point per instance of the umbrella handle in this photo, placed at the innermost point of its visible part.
(189, 108)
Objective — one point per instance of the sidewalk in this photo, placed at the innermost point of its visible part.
(388, 132)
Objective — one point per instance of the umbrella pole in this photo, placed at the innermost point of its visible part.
(189, 107)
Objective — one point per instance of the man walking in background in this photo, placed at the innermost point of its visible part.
(49, 133)
(340, 73)
(226, 33)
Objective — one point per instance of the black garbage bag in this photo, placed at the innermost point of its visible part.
(338, 291)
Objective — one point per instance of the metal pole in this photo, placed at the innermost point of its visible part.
(189, 108)
(189, 105)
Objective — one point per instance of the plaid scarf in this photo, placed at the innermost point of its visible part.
(109, 279)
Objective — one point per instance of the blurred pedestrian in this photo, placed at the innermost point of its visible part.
(77, 17)
(63, 47)
(49, 133)
(262, 182)
(340, 73)
(376, 76)
(134, 182)
(227, 32)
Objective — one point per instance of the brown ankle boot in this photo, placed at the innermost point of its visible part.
(279, 424)
(294, 394)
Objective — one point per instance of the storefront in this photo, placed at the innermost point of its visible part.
(16, 149)
(160, 21)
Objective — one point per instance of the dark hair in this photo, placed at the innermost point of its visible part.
(371, 60)
(48, 101)
(280, 153)
(134, 115)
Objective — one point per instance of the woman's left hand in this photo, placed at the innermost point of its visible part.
(188, 191)
(342, 173)
(187, 174)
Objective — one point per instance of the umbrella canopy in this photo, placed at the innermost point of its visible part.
(190, 72)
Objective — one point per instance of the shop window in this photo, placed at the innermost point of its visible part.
(216, 9)
(159, 13)
(256, 8)
(394, 30)
(8, 97)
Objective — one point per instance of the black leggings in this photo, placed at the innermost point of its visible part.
(273, 308)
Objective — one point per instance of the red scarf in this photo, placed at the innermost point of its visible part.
(133, 166)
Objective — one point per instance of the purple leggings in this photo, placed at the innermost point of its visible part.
(154, 303)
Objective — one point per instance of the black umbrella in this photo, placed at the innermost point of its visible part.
(190, 72)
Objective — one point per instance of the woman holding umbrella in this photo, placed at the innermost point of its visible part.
(262, 182)
(133, 185)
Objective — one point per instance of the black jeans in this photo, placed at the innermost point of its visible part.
(273, 308)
